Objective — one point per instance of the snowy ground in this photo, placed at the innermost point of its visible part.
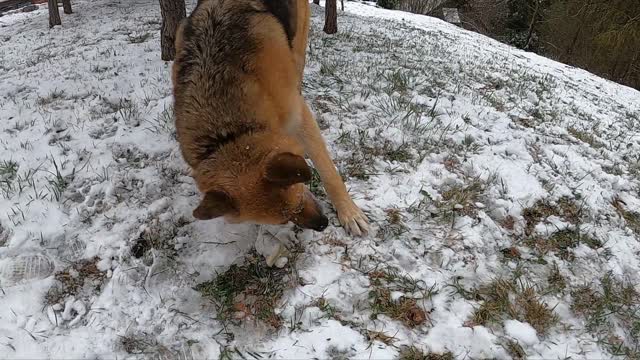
(503, 188)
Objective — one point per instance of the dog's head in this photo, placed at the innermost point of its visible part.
(270, 190)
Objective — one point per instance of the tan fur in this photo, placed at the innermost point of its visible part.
(238, 102)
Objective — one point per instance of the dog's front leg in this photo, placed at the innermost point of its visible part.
(349, 214)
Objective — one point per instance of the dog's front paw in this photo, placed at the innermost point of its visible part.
(352, 218)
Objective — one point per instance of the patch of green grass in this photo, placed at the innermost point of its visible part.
(401, 81)
(315, 185)
(8, 173)
(251, 289)
(614, 303)
(8, 170)
(562, 243)
(52, 97)
(164, 123)
(58, 183)
(586, 137)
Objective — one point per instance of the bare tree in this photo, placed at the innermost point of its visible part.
(534, 19)
(54, 14)
(66, 5)
(173, 11)
(330, 17)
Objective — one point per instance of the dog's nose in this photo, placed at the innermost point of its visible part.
(320, 223)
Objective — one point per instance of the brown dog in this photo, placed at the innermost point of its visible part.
(242, 123)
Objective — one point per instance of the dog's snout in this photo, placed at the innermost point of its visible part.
(311, 216)
(320, 223)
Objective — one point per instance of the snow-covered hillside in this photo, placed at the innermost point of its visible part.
(503, 189)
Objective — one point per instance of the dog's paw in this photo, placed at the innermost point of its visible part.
(353, 220)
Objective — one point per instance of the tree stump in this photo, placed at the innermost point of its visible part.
(66, 5)
(330, 17)
(173, 11)
(54, 14)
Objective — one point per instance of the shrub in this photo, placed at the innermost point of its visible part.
(388, 4)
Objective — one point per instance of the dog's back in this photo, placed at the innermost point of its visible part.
(237, 71)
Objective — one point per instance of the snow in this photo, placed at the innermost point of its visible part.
(457, 133)
(522, 332)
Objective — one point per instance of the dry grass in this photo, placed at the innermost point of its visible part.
(504, 300)
(83, 275)
(461, 200)
(511, 253)
(394, 224)
(509, 223)
(404, 309)
(413, 353)
(515, 350)
(632, 218)
(555, 280)
(159, 235)
(248, 291)
(564, 208)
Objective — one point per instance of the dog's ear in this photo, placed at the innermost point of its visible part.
(286, 169)
(214, 204)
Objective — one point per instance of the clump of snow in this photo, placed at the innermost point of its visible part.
(523, 332)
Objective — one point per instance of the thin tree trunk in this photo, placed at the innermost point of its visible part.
(531, 26)
(54, 14)
(330, 17)
(627, 74)
(568, 55)
(342, 4)
(173, 11)
(66, 4)
(317, 2)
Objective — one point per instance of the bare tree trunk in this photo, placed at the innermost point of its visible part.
(66, 5)
(531, 26)
(317, 2)
(627, 74)
(54, 14)
(330, 17)
(173, 11)
(568, 55)
(342, 4)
